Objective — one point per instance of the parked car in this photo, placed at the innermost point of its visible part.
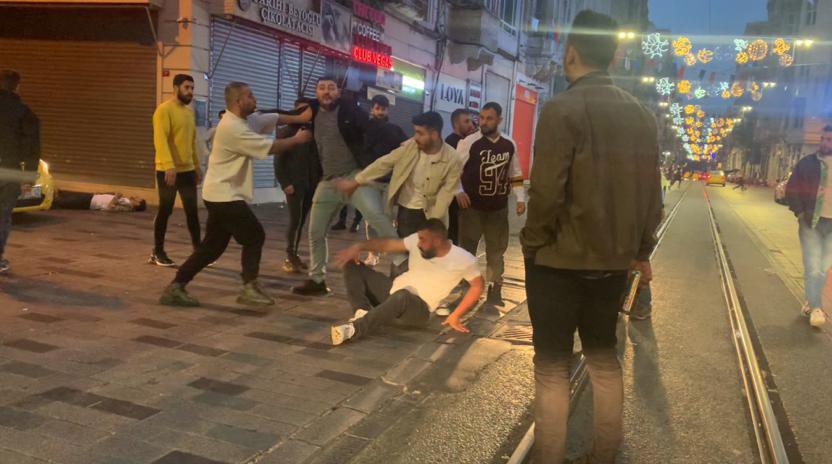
(40, 197)
(716, 178)
(780, 191)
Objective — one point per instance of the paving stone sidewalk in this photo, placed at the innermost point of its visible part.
(93, 370)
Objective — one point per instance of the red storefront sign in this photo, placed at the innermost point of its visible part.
(369, 13)
(363, 55)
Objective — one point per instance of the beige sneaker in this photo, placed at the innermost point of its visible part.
(817, 318)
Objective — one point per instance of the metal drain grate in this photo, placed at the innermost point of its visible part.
(515, 333)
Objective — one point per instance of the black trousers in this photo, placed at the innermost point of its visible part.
(300, 203)
(226, 220)
(370, 290)
(409, 221)
(453, 222)
(342, 215)
(72, 200)
(186, 187)
(561, 301)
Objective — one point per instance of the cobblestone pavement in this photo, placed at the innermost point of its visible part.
(93, 370)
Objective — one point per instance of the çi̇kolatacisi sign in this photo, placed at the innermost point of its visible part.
(290, 18)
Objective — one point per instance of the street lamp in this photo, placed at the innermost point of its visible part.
(626, 35)
(805, 43)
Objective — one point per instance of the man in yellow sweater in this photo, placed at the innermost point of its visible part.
(177, 164)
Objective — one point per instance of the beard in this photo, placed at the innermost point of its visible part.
(488, 132)
(428, 254)
(185, 99)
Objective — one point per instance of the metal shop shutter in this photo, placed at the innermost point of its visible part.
(497, 89)
(290, 82)
(250, 56)
(95, 100)
(402, 114)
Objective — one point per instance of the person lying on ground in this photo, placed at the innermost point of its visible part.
(436, 266)
(113, 202)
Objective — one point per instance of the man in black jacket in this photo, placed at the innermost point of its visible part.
(298, 171)
(339, 126)
(809, 196)
(463, 126)
(19, 151)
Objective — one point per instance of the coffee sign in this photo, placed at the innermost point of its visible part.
(367, 46)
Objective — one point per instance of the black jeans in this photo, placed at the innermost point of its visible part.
(186, 186)
(72, 200)
(299, 202)
(342, 215)
(370, 290)
(453, 222)
(561, 301)
(409, 221)
(226, 220)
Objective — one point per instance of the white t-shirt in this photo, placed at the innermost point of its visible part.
(412, 194)
(433, 279)
(230, 174)
(101, 201)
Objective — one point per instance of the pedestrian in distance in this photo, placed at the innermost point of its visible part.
(491, 170)
(229, 187)
(19, 152)
(177, 165)
(809, 196)
(587, 228)
(298, 171)
(435, 266)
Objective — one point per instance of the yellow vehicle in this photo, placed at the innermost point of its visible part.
(716, 178)
(40, 197)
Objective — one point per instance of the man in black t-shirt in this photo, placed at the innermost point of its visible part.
(490, 172)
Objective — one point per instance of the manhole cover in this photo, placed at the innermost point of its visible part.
(515, 333)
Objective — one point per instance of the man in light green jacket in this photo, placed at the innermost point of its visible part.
(425, 176)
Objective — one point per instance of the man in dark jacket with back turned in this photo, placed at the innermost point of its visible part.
(19, 152)
(594, 205)
(809, 196)
(298, 171)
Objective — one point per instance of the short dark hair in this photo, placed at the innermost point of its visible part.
(9, 80)
(827, 128)
(493, 106)
(435, 226)
(232, 92)
(430, 119)
(180, 78)
(381, 101)
(327, 77)
(141, 206)
(593, 35)
(457, 113)
(222, 112)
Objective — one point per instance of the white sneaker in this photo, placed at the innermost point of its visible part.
(372, 259)
(341, 333)
(805, 310)
(359, 313)
(818, 317)
(443, 311)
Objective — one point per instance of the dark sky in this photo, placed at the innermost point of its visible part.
(691, 16)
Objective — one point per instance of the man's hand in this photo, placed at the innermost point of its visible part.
(289, 190)
(453, 322)
(170, 177)
(198, 175)
(521, 208)
(303, 136)
(462, 200)
(645, 269)
(351, 253)
(345, 186)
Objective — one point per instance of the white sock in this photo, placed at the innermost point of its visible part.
(350, 331)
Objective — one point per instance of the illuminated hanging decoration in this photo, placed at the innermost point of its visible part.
(742, 58)
(689, 122)
(757, 50)
(726, 94)
(678, 120)
(700, 114)
(700, 93)
(675, 109)
(755, 87)
(786, 60)
(724, 86)
(664, 86)
(654, 46)
(690, 59)
(690, 109)
(740, 44)
(781, 47)
(705, 55)
(683, 87)
(756, 96)
(737, 90)
(682, 46)
(685, 138)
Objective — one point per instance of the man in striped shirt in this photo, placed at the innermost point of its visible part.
(490, 172)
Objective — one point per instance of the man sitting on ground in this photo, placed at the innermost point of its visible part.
(113, 202)
(436, 266)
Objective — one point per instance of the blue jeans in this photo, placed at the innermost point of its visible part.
(8, 199)
(326, 203)
(816, 244)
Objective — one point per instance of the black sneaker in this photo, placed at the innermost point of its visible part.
(354, 227)
(4, 265)
(311, 288)
(290, 267)
(160, 258)
(339, 226)
(495, 294)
